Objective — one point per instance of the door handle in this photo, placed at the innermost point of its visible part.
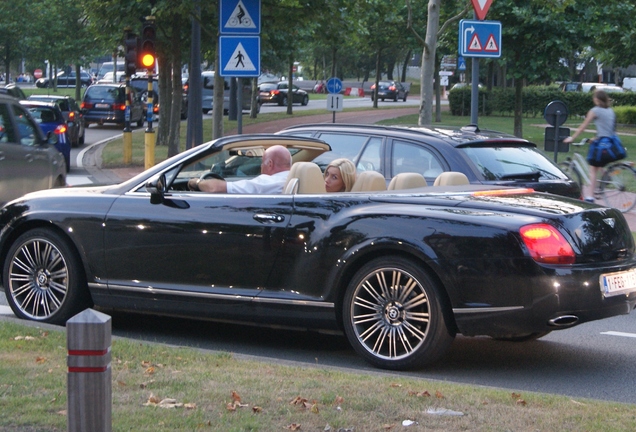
(269, 218)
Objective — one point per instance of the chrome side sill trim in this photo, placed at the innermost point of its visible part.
(233, 297)
(486, 309)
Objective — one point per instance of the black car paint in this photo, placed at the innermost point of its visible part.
(223, 257)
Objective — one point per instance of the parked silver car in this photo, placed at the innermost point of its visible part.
(29, 160)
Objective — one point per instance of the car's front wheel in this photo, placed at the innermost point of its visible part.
(394, 315)
(43, 278)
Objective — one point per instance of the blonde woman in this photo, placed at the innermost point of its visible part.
(340, 175)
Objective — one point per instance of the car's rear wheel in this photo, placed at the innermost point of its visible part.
(395, 98)
(43, 278)
(394, 316)
(305, 100)
(405, 96)
(283, 101)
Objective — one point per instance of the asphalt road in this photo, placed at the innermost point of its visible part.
(594, 360)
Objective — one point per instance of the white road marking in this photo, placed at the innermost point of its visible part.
(614, 333)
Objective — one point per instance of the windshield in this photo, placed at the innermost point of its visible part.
(504, 163)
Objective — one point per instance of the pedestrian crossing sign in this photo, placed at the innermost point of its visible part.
(240, 17)
(240, 56)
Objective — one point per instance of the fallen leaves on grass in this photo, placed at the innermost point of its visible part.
(293, 427)
(168, 403)
(425, 393)
(236, 402)
(518, 400)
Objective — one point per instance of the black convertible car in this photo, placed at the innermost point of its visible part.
(401, 271)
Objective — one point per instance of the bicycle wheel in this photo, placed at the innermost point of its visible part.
(618, 186)
(572, 172)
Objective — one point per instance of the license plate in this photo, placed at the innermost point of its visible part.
(101, 105)
(618, 283)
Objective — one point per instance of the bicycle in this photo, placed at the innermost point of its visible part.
(616, 185)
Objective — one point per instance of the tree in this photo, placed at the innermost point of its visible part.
(429, 60)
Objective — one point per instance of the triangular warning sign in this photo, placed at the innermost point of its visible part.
(239, 61)
(491, 45)
(240, 18)
(474, 45)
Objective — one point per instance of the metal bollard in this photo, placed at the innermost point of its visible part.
(89, 379)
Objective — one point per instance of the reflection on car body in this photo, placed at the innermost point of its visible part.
(401, 272)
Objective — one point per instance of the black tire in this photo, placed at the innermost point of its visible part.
(283, 101)
(305, 100)
(406, 94)
(82, 138)
(140, 122)
(44, 279)
(395, 98)
(618, 186)
(394, 315)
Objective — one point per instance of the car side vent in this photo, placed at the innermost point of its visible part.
(470, 128)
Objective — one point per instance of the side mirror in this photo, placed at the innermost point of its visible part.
(157, 188)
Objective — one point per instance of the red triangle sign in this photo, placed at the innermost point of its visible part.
(481, 8)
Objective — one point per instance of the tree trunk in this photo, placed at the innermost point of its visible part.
(518, 130)
(290, 86)
(438, 94)
(407, 59)
(378, 57)
(175, 103)
(428, 64)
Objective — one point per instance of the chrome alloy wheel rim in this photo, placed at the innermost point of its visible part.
(38, 279)
(390, 313)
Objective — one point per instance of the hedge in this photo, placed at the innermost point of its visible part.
(501, 101)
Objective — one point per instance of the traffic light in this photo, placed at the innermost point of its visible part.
(148, 52)
(130, 43)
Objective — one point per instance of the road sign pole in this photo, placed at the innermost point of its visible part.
(474, 95)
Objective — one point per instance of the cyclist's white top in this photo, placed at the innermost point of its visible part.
(605, 121)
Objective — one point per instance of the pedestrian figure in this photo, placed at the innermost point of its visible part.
(239, 56)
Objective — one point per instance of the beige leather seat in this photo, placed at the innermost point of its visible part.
(304, 178)
(368, 181)
(407, 180)
(451, 178)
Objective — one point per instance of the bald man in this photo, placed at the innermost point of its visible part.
(275, 167)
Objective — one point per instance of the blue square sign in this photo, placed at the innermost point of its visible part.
(240, 17)
(480, 38)
(240, 56)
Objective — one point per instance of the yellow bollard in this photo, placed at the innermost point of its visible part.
(149, 146)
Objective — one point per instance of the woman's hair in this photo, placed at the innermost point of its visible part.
(347, 171)
(604, 100)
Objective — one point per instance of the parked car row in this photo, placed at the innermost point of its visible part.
(65, 79)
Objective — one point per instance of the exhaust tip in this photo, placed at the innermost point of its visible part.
(564, 321)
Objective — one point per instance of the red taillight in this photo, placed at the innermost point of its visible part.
(119, 107)
(546, 244)
(392, 88)
(60, 129)
(71, 116)
(155, 108)
(87, 105)
(274, 92)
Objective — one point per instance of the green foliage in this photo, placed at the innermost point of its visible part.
(501, 101)
(625, 114)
